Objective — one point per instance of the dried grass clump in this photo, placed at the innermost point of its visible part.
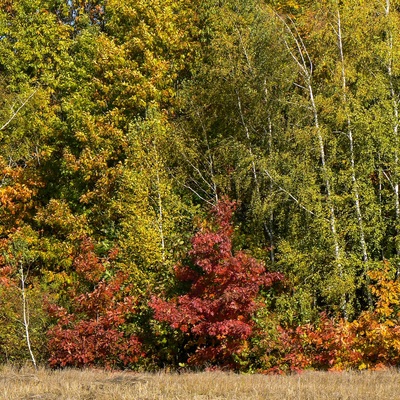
(71, 384)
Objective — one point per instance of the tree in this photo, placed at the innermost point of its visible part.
(23, 316)
(90, 330)
(222, 289)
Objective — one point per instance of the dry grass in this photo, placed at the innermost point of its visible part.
(93, 384)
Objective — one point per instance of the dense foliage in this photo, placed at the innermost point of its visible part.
(125, 127)
(216, 310)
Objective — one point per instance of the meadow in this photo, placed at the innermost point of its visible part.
(73, 384)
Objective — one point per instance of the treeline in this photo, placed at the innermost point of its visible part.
(200, 183)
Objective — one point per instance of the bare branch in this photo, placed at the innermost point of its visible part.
(18, 110)
(388, 178)
(290, 195)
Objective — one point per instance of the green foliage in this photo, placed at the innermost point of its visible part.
(18, 259)
(125, 121)
(13, 347)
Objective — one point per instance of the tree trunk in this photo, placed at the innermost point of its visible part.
(354, 180)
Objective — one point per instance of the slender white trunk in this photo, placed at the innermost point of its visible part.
(270, 229)
(247, 132)
(25, 314)
(360, 221)
(303, 60)
(351, 144)
(210, 161)
(160, 214)
(325, 174)
(305, 65)
(267, 228)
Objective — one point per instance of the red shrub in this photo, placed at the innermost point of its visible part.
(326, 345)
(217, 309)
(91, 332)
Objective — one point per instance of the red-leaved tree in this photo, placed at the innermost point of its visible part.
(216, 312)
(90, 333)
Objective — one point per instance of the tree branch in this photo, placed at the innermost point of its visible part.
(18, 110)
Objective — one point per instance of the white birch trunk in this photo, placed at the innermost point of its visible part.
(270, 229)
(25, 314)
(360, 221)
(160, 215)
(267, 228)
(351, 144)
(210, 163)
(305, 65)
(307, 71)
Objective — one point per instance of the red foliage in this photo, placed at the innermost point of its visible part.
(91, 334)
(327, 345)
(87, 264)
(217, 309)
(371, 341)
(5, 276)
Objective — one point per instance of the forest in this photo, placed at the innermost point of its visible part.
(209, 184)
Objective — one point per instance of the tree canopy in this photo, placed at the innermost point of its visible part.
(123, 123)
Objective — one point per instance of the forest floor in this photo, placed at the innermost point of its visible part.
(102, 385)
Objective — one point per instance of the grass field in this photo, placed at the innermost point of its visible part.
(94, 384)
